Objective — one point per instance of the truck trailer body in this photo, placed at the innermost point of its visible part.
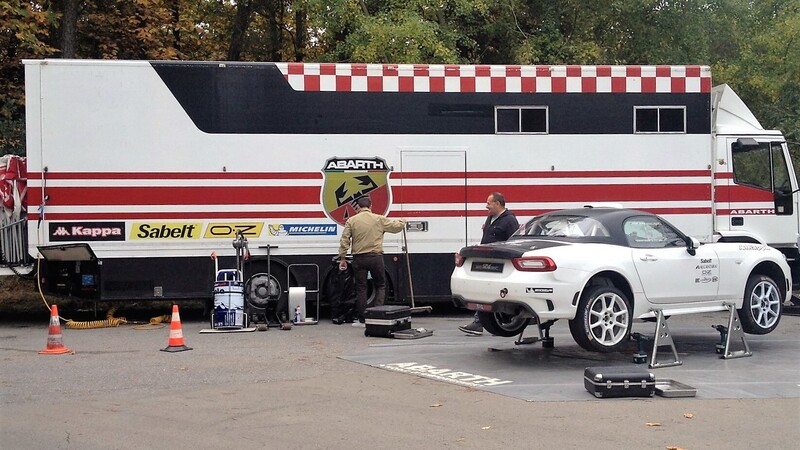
(139, 170)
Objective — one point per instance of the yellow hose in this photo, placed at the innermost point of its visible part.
(113, 322)
(110, 321)
(155, 323)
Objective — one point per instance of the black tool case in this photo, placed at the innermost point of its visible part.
(619, 381)
(383, 321)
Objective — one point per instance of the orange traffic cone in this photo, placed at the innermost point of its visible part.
(176, 343)
(55, 346)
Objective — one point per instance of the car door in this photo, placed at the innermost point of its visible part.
(667, 271)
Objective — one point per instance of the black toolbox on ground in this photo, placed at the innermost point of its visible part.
(383, 321)
(619, 381)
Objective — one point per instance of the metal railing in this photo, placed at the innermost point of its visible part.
(14, 243)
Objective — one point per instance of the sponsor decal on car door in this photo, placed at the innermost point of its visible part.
(672, 275)
(667, 271)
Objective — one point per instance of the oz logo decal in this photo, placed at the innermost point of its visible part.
(347, 179)
(229, 230)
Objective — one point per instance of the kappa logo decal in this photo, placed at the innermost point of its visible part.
(87, 231)
(347, 179)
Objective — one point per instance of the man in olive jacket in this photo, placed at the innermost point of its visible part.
(364, 234)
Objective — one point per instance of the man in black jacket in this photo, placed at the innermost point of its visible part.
(499, 226)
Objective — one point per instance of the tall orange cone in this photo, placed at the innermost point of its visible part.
(55, 346)
(176, 343)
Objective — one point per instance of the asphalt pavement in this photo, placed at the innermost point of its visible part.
(294, 389)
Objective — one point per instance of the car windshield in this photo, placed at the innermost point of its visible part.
(563, 226)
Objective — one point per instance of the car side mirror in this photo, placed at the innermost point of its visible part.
(691, 245)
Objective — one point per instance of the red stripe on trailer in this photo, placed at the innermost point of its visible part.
(738, 193)
(179, 175)
(559, 174)
(250, 215)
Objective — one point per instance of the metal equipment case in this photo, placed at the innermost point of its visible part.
(383, 321)
(621, 381)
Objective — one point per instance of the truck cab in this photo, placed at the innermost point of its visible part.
(756, 187)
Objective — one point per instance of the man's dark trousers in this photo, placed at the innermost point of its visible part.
(373, 263)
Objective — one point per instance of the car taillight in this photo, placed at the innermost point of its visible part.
(534, 264)
(459, 260)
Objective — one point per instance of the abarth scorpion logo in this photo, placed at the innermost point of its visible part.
(347, 179)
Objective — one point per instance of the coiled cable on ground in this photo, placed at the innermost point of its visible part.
(155, 323)
(110, 321)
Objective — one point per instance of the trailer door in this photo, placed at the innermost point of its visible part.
(433, 198)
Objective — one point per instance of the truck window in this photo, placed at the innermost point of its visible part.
(520, 119)
(780, 170)
(659, 119)
(758, 166)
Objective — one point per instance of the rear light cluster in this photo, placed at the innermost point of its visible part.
(534, 264)
(459, 259)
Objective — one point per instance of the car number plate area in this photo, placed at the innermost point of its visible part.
(487, 267)
(478, 307)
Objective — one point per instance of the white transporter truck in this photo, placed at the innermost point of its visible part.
(139, 170)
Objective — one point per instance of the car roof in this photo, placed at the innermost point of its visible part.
(611, 218)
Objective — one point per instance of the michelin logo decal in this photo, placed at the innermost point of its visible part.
(302, 229)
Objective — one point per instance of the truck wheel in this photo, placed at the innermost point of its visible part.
(504, 325)
(603, 320)
(761, 308)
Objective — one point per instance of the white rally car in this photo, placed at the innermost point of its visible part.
(602, 268)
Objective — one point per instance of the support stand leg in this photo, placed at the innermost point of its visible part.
(733, 333)
(544, 336)
(663, 337)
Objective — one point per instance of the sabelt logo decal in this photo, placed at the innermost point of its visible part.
(284, 229)
(87, 231)
(166, 231)
(229, 230)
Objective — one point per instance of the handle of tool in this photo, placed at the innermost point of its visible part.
(408, 268)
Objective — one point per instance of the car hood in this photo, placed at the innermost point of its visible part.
(508, 249)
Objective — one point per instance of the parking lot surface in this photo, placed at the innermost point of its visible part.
(320, 386)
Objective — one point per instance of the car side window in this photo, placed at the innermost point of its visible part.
(649, 232)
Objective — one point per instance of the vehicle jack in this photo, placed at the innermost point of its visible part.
(733, 332)
(544, 336)
(643, 341)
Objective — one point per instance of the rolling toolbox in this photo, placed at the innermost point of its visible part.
(383, 321)
(620, 381)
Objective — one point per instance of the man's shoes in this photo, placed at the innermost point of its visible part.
(359, 323)
(475, 329)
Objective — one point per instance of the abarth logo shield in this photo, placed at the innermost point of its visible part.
(347, 179)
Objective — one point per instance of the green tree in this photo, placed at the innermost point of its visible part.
(24, 33)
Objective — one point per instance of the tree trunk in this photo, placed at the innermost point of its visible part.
(244, 14)
(176, 27)
(69, 23)
(300, 35)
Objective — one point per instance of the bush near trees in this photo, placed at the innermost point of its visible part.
(752, 46)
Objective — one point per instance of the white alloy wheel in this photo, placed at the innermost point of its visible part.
(761, 309)
(603, 320)
(608, 318)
